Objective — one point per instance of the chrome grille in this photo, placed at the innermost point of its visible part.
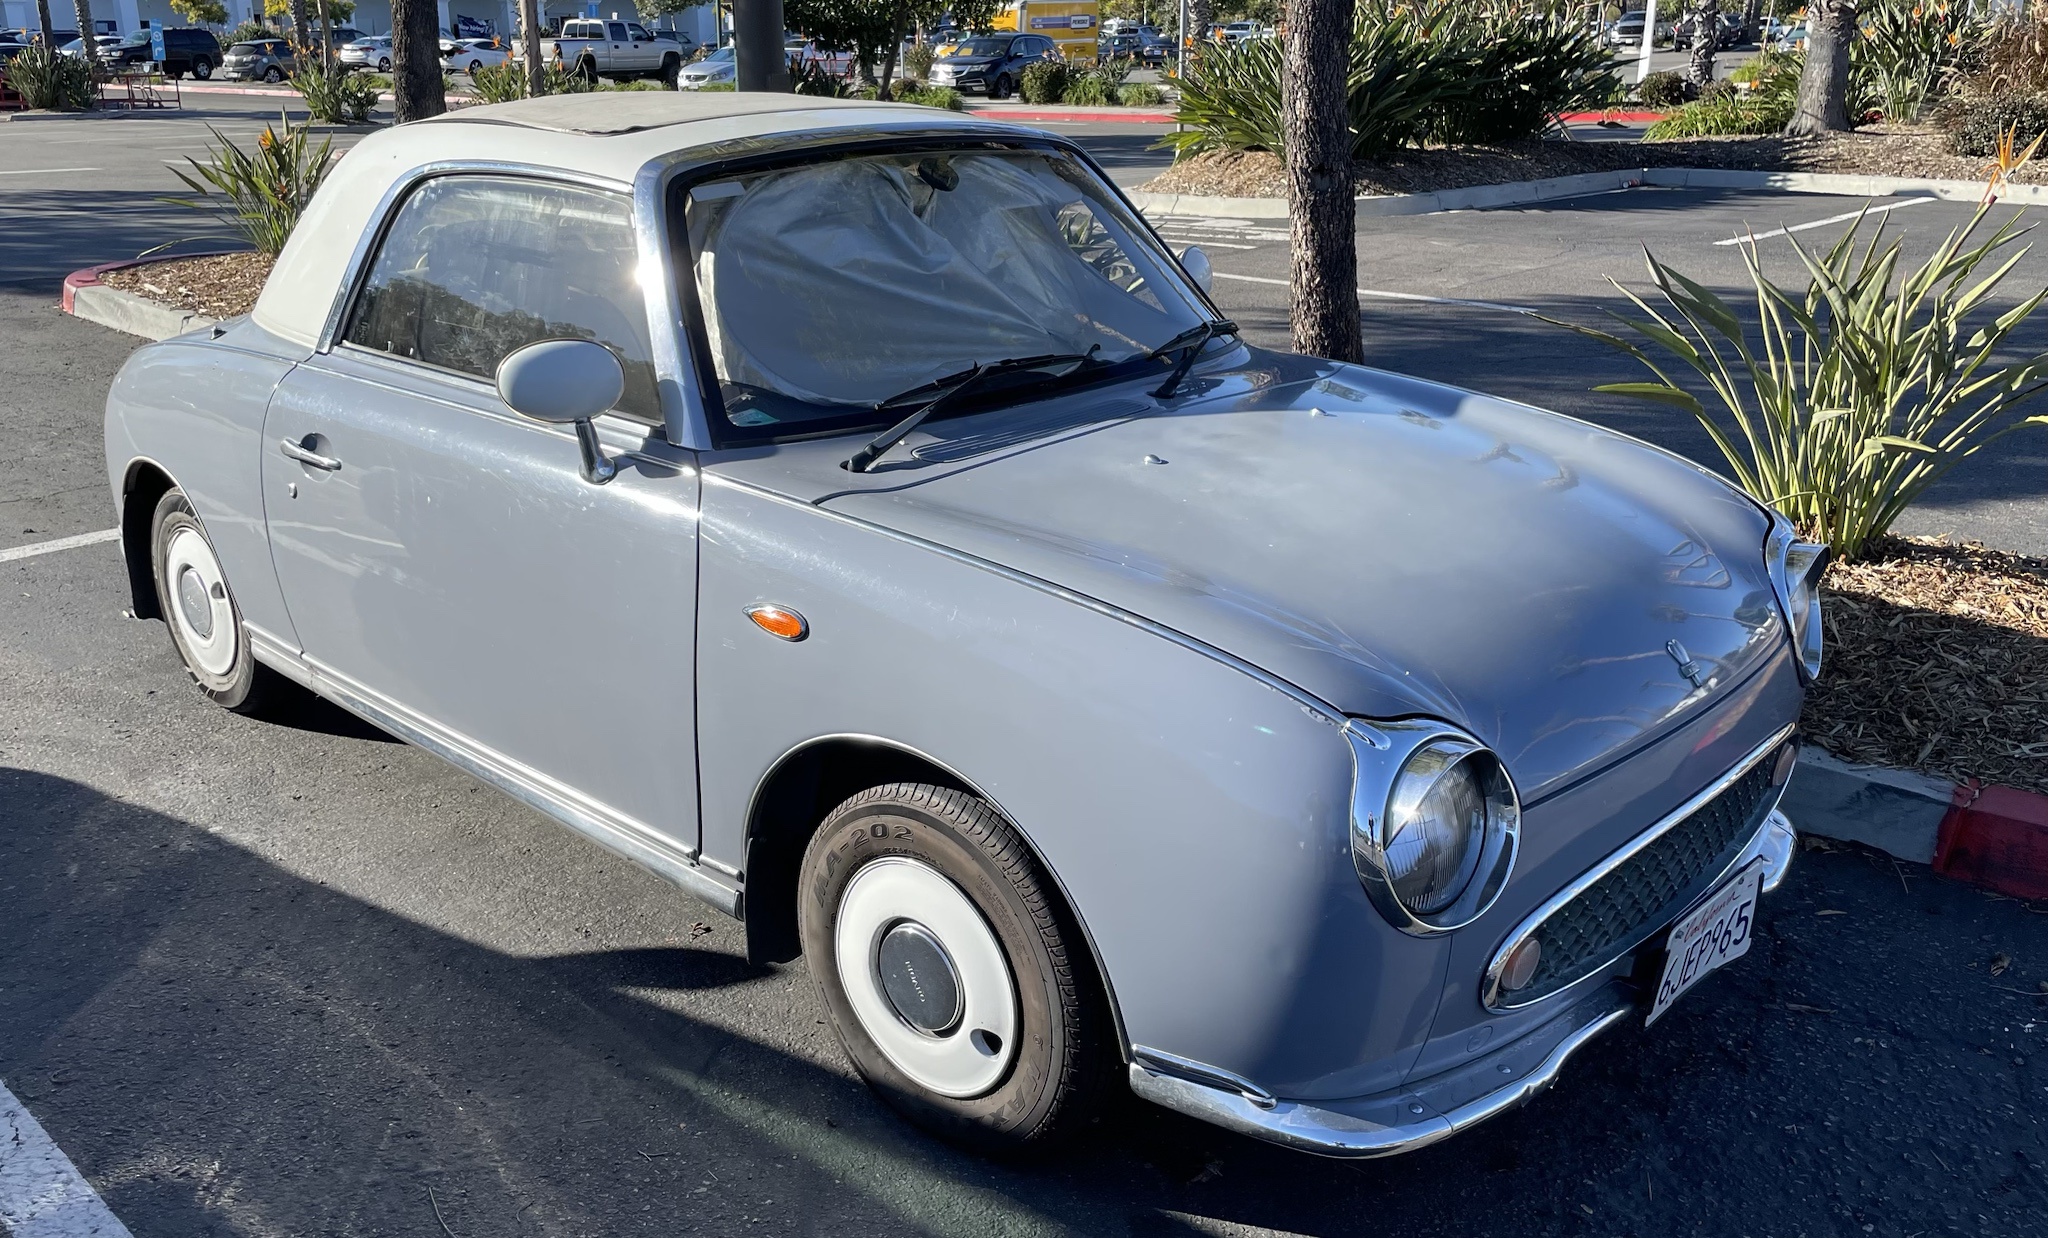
(1612, 915)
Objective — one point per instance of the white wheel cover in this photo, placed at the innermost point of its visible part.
(973, 1057)
(188, 553)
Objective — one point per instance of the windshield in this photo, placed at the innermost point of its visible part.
(723, 56)
(828, 288)
(138, 39)
(981, 47)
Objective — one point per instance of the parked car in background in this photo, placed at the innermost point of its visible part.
(76, 47)
(1782, 36)
(1627, 31)
(469, 55)
(1239, 31)
(619, 50)
(371, 52)
(807, 54)
(259, 60)
(32, 35)
(719, 67)
(10, 49)
(1729, 26)
(1093, 699)
(187, 51)
(991, 64)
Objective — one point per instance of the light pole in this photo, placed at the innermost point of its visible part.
(1649, 40)
(757, 46)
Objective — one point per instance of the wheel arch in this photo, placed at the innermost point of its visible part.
(143, 484)
(807, 783)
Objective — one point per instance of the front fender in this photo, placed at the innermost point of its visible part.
(1193, 812)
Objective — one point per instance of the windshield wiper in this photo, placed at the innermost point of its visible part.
(952, 387)
(1191, 341)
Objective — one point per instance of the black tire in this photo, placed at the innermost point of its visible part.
(232, 677)
(671, 69)
(273, 75)
(1000, 88)
(202, 68)
(586, 69)
(1063, 1047)
(384, 64)
(474, 65)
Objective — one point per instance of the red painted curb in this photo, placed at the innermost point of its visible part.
(89, 277)
(1996, 837)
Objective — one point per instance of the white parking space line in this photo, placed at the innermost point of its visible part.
(42, 1194)
(43, 171)
(33, 549)
(1832, 219)
(1382, 295)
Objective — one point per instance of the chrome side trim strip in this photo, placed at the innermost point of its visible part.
(1313, 704)
(1326, 1132)
(1489, 992)
(605, 826)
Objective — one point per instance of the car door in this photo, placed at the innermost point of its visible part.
(646, 54)
(621, 47)
(444, 559)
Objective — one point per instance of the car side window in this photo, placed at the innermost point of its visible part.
(639, 32)
(616, 31)
(474, 267)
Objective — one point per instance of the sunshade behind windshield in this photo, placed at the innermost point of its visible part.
(844, 283)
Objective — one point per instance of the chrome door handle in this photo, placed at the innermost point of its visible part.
(307, 456)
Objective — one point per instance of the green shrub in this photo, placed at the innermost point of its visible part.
(1863, 394)
(247, 32)
(1907, 53)
(1140, 94)
(1975, 125)
(499, 83)
(1044, 82)
(1416, 72)
(944, 98)
(259, 192)
(814, 80)
(333, 95)
(917, 62)
(1666, 88)
(717, 86)
(1088, 90)
(51, 81)
(1723, 115)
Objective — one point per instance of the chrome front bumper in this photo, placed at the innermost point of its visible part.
(1435, 1108)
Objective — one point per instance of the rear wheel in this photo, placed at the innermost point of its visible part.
(474, 65)
(206, 625)
(384, 64)
(957, 981)
(202, 68)
(273, 74)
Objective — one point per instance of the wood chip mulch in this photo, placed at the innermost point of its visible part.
(218, 286)
(1937, 660)
(1875, 151)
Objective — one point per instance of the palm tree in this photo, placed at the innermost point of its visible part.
(1823, 105)
(417, 91)
(43, 16)
(85, 36)
(1315, 128)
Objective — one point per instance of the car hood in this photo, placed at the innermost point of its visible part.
(1391, 546)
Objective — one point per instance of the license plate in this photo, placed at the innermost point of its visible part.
(1716, 932)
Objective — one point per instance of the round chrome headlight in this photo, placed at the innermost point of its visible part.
(1434, 844)
(1796, 568)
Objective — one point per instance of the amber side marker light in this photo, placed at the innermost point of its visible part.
(779, 621)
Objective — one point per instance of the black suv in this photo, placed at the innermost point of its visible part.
(191, 51)
(991, 62)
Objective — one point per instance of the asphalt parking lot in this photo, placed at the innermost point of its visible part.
(290, 977)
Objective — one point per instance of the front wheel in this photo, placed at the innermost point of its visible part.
(206, 625)
(1000, 89)
(671, 69)
(956, 980)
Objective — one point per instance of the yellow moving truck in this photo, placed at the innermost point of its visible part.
(1072, 25)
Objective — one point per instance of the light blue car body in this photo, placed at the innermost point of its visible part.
(1136, 626)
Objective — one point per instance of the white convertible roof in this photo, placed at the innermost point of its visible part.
(604, 135)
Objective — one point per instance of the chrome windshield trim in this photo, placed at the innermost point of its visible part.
(1489, 992)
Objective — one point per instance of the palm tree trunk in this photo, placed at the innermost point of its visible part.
(1706, 36)
(417, 91)
(1823, 105)
(43, 16)
(536, 72)
(1200, 14)
(1316, 130)
(85, 34)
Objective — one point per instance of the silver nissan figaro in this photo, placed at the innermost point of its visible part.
(855, 514)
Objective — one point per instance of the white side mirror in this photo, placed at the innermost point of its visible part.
(566, 382)
(1196, 264)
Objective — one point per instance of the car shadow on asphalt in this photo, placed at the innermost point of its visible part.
(226, 1047)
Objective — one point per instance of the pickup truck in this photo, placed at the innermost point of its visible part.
(615, 49)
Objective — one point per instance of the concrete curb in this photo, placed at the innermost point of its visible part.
(87, 298)
(1518, 193)
(1107, 115)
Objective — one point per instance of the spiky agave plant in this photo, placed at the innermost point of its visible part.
(261, 192)
(1849, 399)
